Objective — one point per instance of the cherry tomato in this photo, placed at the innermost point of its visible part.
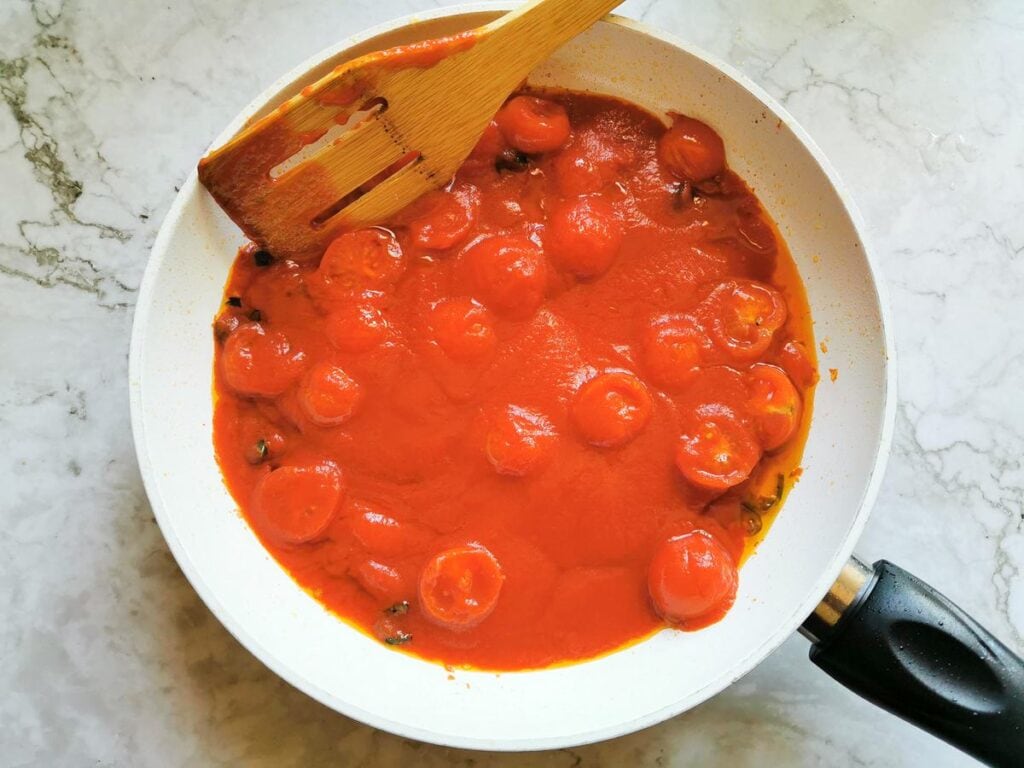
(775, 404)
(798, 363)
(492, 143)
(583, 236)
(692, 150)
(260, 362)
(380, 533)
(463, 329)
(356, 261)
(296, 504)
(673, 349)
(459, 587)
(611, 409)
(383, 582)
(534, 125)
(692, 580)
(443, 218)
(356, 327)
(519, 441)
(716, 451)
(328, 395)
(508, 273)
(745, 315)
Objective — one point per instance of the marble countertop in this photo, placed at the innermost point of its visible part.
(108, 656)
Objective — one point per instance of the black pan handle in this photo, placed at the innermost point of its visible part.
(894, 640)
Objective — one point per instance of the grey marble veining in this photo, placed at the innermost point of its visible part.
(107, 657)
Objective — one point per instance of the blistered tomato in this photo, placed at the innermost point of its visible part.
(507, 273)
(463, 329)
(716, 450)
(459, 587)
(444, 218)
(534, 125)
(296, 504)
(692, 580)
(611, 409)
(519, 441)
(356, 327)
(692, 150)
(673, 348)
(256, 361)
(355, 261)
(328, 395)
(775, 404)
(745, 315)
(583, 236)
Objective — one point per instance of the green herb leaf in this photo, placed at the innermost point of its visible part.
(399, 638)
(398, 608)
(262, 448)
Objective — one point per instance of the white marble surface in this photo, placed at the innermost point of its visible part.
(107, 657)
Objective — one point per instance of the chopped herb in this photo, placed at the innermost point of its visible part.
(751, 520)
(255, 315)
(263, 258)
(399, 638)
(234, 301)
(398, 608)
(262, 448)
(511, 160)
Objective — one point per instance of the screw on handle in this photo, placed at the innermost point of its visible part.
(905, 647)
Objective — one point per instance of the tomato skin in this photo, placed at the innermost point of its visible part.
(611, 409)
(328, 395)
(775, 404)
(692, 580)
(507, 273)
(745, 315)
(463, 329)
(296, 504)
(533, 125)
(260, 362)
(444, 218)
(716, 450)
(519, 441)
(459, 587)
(692, 150)
(583, 236)
(356, 327)
(673, 348)
(366, 259)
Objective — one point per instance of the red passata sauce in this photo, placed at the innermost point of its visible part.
(542, 413)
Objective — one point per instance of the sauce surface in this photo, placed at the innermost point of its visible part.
(542, 413)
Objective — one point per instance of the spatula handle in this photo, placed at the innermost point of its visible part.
(529, 34)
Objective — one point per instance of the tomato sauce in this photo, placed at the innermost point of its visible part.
(544, 412)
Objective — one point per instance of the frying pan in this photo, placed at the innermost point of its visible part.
(878, 630)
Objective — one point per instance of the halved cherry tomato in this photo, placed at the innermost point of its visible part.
(716, 451)
(328, 395)
(583, 236)
(611, 409)
(356, 327)
(775, 404)
(745, 315)
(534, 125)
(296, 504)
(443, 218)
(519, 440)
(508, 273)
(381, 534)
(673, 348)
(463, 329)
(459, 587)
(797, 362)
(692, 580)
(355, 261)
(692, 150)
(260, 362)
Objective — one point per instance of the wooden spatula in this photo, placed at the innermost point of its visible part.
(412, 115)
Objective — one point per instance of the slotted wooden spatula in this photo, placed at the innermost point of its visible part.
(412, 114)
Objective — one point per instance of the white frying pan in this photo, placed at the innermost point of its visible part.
(890, 645)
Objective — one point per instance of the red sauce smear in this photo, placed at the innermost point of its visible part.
(546, 411)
